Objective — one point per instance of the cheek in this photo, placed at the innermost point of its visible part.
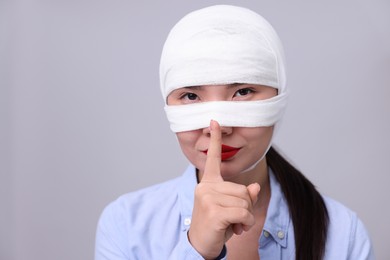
(187, 141)
(259, 137)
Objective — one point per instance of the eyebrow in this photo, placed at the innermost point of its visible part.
(232, 85)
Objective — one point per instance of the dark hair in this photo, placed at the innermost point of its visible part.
(306, 206)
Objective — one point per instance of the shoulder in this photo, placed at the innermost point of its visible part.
(152, 205)
(347, 236)
(133, 225)
(143, 200)
(130, 224)
(338, 212)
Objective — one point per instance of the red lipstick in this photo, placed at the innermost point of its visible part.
(227, 152)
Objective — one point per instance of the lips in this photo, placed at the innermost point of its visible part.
(227, 152)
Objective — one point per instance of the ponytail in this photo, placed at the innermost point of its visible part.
(306, 206)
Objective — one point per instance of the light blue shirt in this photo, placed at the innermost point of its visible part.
(152, 223)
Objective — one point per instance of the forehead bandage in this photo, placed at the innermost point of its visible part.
(223, 45)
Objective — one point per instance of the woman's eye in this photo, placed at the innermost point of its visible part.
(189, 96)
(243, 92)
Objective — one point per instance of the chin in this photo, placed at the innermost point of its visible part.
(230, 171)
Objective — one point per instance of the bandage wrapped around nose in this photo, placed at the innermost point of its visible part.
(223, 45)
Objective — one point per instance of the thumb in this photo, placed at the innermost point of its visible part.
(253, 190)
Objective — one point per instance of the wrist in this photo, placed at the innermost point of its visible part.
(207, 255)
(222, 254)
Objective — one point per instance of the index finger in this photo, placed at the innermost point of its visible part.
(212, 170)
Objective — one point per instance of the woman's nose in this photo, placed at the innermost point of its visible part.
(225, 130)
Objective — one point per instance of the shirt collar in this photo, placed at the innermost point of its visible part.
(277, 219)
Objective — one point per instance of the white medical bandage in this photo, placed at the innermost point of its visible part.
(228, 113)
(221, 45)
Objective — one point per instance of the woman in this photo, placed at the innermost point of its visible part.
(222, 77)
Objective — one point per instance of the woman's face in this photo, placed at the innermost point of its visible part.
(242, 147)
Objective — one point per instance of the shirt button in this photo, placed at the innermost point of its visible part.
(281, 234)
(266, 233)
(187, 221)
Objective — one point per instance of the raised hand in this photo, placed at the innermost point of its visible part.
(221, 208)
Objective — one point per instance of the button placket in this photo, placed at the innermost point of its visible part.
(187, 221)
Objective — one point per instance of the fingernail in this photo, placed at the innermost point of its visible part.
(211, 125)
(258, 187)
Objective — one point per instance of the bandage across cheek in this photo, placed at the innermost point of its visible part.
(228, 113)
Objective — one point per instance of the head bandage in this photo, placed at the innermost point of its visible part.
(228, 113)
(223, 45)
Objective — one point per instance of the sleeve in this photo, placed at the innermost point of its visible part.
(184, 250)
(360, 243)
(110, 241)
(112, 237)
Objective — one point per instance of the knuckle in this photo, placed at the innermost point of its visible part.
(245, 204)
(198, 190)
(243, 191)
(244, 214)
(201, 191)
(205, 200)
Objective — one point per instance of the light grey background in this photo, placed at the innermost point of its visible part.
(82, 119)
